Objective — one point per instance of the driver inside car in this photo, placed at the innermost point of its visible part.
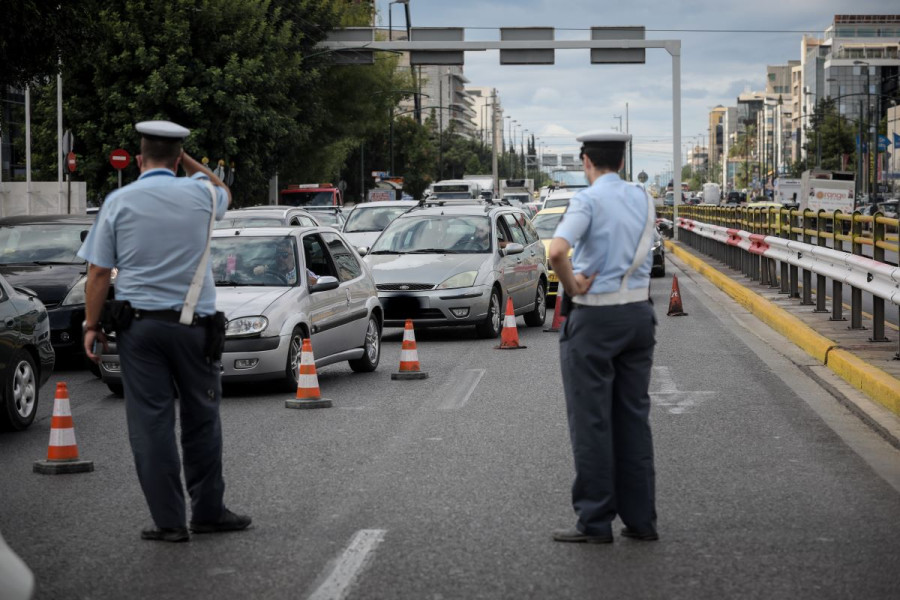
(283, 265)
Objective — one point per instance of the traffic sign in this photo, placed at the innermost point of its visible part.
(70, 161)
(119, 158)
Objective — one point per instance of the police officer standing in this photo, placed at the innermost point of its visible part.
(606, 345)
(155, 231)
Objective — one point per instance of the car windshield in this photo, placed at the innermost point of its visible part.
(555, 202)
(307, 198)
(517, 199)
(327, 218)
(254, 261)
(229, 223)
(452, 195)
(375, 218)
(436, 234)
(546, 224)
(41, 243)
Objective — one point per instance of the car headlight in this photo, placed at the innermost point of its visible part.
(460, 280)
(76, 294)
(245, 326)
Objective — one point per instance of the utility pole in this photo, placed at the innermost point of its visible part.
(495, 116)
(629, 172)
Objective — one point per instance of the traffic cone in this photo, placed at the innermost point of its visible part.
(675, 309)
(62, 452)
(557, 317)
(409, 356)
(308, 395)
(509, 337)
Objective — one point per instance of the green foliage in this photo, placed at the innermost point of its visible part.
(836, 135)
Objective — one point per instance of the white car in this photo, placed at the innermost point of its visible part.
(272, 302)
(366, 221)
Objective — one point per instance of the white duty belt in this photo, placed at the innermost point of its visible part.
(624, 295)
(193, 294)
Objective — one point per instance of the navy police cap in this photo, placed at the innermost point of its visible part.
(163, 129)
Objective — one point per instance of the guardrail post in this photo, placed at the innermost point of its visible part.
(878, 303)
(855, 292)
(822, 243)
(793, 235)
(837, 286)
(784, 231)
(770, 229)
(807, 275)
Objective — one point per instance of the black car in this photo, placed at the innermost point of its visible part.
(26, 355)
(735, 198)
(659, 254)
(40, 253)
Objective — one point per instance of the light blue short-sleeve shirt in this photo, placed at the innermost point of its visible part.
(604, 224)
(154, 232)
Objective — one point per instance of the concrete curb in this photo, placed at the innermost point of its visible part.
(882, 387)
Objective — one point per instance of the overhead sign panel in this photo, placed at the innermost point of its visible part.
(353, 35)
(549, 160)
(526, 56)
(437, 57)
(567, 160)
(618, 55)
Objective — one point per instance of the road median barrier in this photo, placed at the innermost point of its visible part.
(879, 385)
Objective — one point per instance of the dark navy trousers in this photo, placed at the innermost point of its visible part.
(606, 354)
(156, 356)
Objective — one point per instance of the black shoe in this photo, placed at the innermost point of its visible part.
(166, 534)
(228, 522)
(647, 536)
(575, 536)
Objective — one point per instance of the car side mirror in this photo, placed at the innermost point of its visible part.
(324, 284)
(513, 249)
(363, 250)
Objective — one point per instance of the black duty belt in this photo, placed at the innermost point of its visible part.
(168, 316)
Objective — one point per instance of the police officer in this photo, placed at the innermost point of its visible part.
(606, 345)
(154, 231)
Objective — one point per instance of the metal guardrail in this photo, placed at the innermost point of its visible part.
(778, 246)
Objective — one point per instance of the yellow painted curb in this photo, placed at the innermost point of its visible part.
(877, 384)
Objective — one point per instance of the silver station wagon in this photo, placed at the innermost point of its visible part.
(278, 285)
(456, 264)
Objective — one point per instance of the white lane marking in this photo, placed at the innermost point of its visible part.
(350, 564)
(459, 394)
(677, 402)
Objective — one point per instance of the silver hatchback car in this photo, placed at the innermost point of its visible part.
(456, 264)
(278, 285)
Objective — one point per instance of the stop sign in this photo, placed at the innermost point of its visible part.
(70, 161)
(119, 158)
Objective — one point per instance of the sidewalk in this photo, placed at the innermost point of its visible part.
(868, 366)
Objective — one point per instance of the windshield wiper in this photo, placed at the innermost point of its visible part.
(363, 230)
(240, 283)
(433, 251)
(54, 262)
(387, 252)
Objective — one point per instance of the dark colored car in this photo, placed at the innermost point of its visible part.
(659, 254)
(40, 253)
(26, 355)
(735, 198)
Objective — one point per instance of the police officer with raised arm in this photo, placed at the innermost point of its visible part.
(155, 231)
(606, 345)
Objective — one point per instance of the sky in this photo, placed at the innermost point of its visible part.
(725, 47)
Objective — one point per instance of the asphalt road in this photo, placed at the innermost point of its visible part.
(450, 487)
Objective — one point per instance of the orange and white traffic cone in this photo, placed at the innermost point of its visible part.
(509, 336)
(308, 395)
(675, 309)
(62, 452)
(409, 356)
(557, 317)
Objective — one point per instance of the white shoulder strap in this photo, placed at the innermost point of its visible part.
(190, 301)
(643, 245)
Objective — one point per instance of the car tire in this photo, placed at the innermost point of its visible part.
(490, 327)
(20, 392)
(536, 317)
(371, 348)
(117, 389)
(659, 271)
(291, 368)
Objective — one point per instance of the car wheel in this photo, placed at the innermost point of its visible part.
(371, 348)
(20, 393)
(659, 271)
(292, 367)
(490, 327)
(117, 389)
(536, 317)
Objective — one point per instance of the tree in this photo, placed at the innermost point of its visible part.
(242, 74)
(836, 135)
